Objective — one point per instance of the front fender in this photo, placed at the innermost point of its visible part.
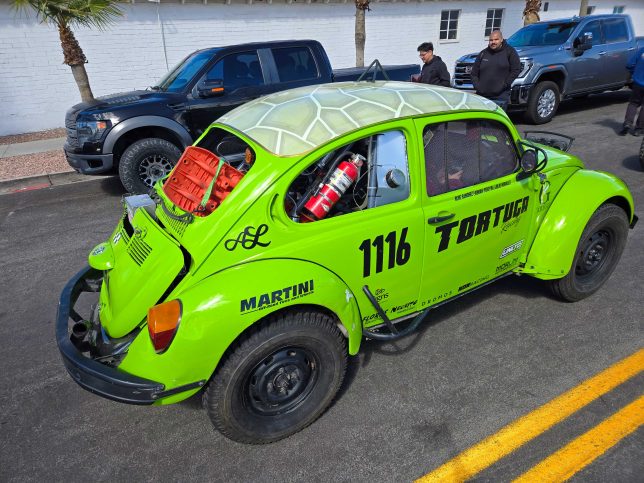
(219, 308)
(553, 250)
(145, 121)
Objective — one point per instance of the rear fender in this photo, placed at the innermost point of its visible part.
(218, 309)
(554, 246)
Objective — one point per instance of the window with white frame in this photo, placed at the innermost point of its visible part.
(545, 6)
(619, 9)
(449, 24)
(493, 21)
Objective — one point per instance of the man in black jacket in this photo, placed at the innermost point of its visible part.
(495, 68)
(434, 69)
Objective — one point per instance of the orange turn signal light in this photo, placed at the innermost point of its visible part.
(163, 322)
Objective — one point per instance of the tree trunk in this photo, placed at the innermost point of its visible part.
(75, 58)
(82, 81)
(583, 8)
(361, 36)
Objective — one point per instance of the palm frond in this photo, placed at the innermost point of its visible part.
(86, 13)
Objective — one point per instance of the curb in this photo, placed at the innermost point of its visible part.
(41, 181)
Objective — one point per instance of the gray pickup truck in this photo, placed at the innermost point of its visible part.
(564, 58)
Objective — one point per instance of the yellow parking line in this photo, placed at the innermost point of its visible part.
(582, 451)
(494, 447)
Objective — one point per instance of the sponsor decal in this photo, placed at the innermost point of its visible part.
(480, 191)
(506, 265)
(381, 294)
(473, 283)
(276, 297)
(391, 310)
(512, 248)
(436, 298)
(116, 238)
(249, 238)
(476, 224)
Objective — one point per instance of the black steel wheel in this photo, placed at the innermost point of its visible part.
(600, 248)
(145, 162)
(277, 379)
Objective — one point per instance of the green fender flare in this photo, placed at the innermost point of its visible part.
(553, 249)
(212, 319)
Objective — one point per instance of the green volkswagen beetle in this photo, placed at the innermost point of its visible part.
(302, 222)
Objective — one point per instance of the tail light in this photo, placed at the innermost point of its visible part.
(163, 322)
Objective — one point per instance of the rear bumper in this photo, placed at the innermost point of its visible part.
(90, 374)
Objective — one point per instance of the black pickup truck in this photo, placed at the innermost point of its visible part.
(142, 133)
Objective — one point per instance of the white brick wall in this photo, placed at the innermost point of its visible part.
(36, 88)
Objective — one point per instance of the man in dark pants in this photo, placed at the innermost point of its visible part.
(434, 69)
(636, 66)
(495, 68)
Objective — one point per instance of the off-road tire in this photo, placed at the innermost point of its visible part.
(543, 102)
(278, 378)
(642, 154)
(600, 248)
(145, 161)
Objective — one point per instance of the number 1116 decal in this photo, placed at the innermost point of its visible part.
(398, 251)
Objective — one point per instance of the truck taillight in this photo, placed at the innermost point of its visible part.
(163, 322)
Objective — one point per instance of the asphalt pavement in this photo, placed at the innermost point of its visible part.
(478, 364)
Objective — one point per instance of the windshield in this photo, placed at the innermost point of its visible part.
(179, 76)
(542, 34)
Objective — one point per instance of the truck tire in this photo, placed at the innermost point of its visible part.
(146, 161)
(642, 154)
(600, 248)
(543, 102)
(278, 379)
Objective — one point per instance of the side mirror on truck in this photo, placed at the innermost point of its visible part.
(582, 43)
(211, 88)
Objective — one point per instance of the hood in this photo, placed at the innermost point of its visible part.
(123, 100)
(534, 50)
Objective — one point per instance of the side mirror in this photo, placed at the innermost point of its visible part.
(529, 161)
(211, 88)
(583, 43)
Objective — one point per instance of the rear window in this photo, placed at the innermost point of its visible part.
(294, 63)
(615, 30)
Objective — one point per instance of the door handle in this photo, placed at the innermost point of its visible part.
(441, 217)
(603, 52)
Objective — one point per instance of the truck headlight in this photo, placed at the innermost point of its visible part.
(526, 65)
(91, 131)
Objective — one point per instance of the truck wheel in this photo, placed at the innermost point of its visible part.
(278, 379)
(543, 102)
(600, 248)
(642, 154)
(146, 161)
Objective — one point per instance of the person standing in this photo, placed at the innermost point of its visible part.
(434, 69)
(636, 66)
(495, 68)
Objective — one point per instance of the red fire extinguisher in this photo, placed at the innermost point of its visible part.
(319, 205)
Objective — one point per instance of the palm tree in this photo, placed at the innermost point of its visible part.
(65, 14)
(531, 11)
(361, 7)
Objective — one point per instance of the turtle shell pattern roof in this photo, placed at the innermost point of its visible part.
(296, 121)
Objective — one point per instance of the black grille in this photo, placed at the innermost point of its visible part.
(463, 73)
(70, 125)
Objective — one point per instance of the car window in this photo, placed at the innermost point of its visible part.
(594, 28)
(365, 174)
(615, 30)
(294, 63)
(463, 153)
(238, 70)
(177, 79)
